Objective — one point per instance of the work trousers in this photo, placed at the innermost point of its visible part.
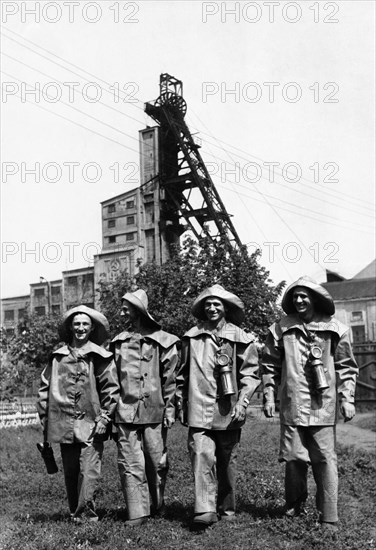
(213, 456)
(301, 446)
(143, 466)
(82, 470)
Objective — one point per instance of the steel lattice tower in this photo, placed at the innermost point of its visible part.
(189, 193)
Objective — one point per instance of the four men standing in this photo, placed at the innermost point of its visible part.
(307, 354)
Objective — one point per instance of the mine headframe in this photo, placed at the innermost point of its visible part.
(184, 179)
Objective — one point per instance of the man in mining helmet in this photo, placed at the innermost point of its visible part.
(217, 377)
(308, 354)
(77, 399)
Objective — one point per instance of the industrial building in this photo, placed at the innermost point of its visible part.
(176, 193)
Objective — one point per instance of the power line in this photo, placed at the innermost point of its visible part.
(124, 114)
(293, 212)
(73, 121)
(70, 70)
(340, 197)
(249, 211)
(301, 192)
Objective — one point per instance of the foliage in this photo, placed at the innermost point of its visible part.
(28, 351)
(173, 286)
(35, 516)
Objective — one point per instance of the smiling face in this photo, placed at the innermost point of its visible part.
(81, 326)
(129, 313)
(303, 302)
(214, 310)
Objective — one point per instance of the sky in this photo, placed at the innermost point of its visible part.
(280, 94)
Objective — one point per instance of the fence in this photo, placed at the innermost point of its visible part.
(17, 414)
(365, 355)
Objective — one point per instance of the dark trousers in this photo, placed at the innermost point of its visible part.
(82, 470)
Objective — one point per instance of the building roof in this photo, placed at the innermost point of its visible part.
(366, 272)
(333, 276)
(124, 195)
(80, 270)
(15, 298)
(352, 288)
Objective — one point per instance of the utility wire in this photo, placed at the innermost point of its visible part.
(340, 193)
(124, 114)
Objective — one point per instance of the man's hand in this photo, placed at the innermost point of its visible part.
(347, 410)
(100, 428)
(269, 409)
(168, 422)
(238, 414)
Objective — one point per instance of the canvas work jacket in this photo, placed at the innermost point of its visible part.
(199, 389)
(286, 364)
(146, 366)
(78, 387)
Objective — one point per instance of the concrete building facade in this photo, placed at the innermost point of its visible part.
(355, 302)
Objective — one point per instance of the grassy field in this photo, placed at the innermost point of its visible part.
(34, 513)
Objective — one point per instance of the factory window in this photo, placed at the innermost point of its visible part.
(39, 292)
(56, 290)
(356, 316)
(130, 220)
(111, 208)
(359, 334)
(71, 281)
(40, 310)
(21, 313)
(9, 315)
(56, 309)
(129, 237)
(111, 223)
(87, 278)
(112, 239)
(130, 204)
(149, 213)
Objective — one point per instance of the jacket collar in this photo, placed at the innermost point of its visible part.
(164, 339)
(320, 323)
(89, 347)
(227, 331)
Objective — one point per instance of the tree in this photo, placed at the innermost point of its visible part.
(28, 351)
(173, 286)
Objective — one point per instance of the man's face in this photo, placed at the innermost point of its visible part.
(81, 326)
(128, 312)
(214, 309)
(303, 301)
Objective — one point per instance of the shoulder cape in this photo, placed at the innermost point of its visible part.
(164, 339)
(292, 321)
(89, 347)
(229, 331)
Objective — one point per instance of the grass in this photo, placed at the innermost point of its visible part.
(34, 513)
(366, 421)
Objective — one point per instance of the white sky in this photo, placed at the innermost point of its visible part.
(330, 224)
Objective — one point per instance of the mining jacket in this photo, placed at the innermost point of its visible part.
(286, 364)
(146, 364)
(199, 391)
(78, 387)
